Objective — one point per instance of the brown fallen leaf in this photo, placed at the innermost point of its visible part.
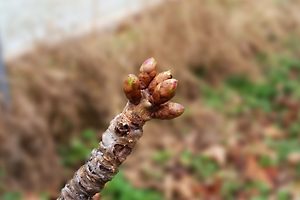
(217, 153)
(209, 191)
(255, 172)
(294, 158)
(273, 132)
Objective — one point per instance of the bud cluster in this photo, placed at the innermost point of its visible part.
(159, 89)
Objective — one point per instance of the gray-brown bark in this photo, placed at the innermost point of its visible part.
(117, 143)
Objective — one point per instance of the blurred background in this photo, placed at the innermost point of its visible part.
(237, 61)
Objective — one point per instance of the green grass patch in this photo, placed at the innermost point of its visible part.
(120, 189)
(283, 195)
(284, 147)
(230, 188)
(294, 130)
(79, 148)
(202, 166)
(281, 80)
(11, 196)
(263, 190)
(161, 157)
(267, 161)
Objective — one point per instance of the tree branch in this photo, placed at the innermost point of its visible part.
(148, 96)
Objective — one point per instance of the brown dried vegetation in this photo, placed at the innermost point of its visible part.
(59, 91)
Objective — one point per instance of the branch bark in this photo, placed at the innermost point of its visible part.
(148, 95)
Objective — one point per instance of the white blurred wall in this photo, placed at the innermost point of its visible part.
(23, 22)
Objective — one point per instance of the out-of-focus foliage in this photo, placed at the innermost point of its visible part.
(202, 166)
(11, 196)
(79, 149)
(121, 189)
(274, 96)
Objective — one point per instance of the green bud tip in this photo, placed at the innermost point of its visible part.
(131, 79)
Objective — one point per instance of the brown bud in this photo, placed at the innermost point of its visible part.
(147, 72)
(164, 91)
(131, 88)
(158, 79)
(168, 111)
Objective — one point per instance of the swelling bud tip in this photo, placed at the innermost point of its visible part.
(164, 91)
(168, 111)
(149, 65)
(147, 72)
(131, 88)
(158, 79)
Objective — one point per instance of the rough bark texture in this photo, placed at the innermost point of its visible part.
(124, 131)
